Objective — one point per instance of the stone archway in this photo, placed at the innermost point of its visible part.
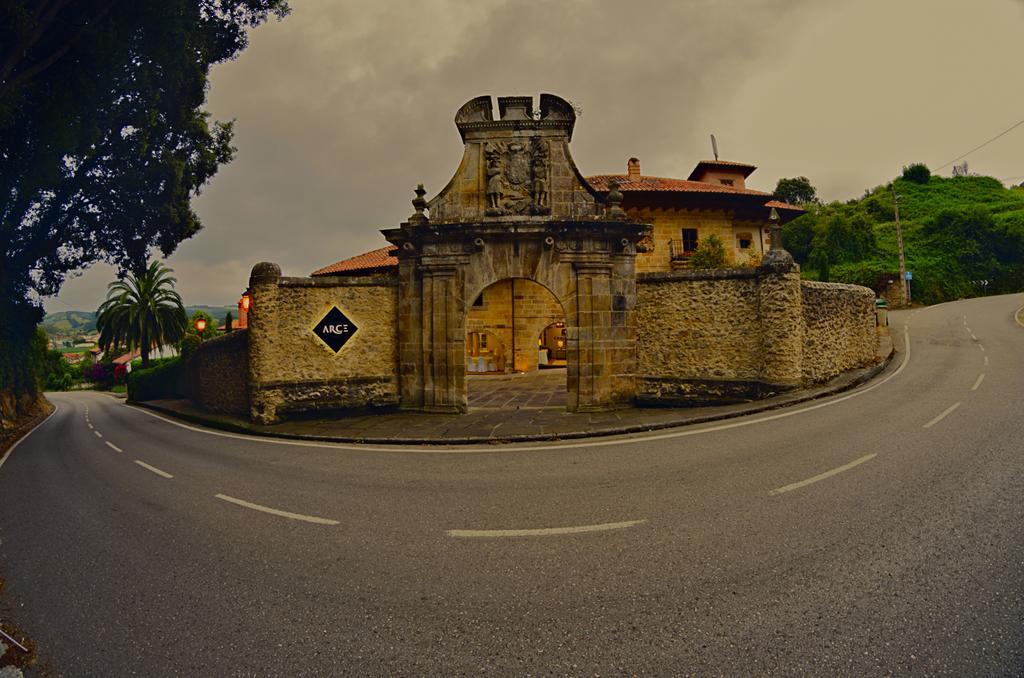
(503, 357)
(588, 267)
(517, 207)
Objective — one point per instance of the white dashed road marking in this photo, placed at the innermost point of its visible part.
(98, 434)
(981, 378)
(942, 416)
(276, 512)
(986, 360)
(114, 447)
(545, 531)
(822, 476)
(154, 469)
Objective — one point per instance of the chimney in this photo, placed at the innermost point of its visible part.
(633, 168)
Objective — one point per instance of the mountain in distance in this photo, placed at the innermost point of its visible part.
(64, 323)
(76, 323)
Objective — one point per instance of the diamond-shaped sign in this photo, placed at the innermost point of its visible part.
(335, 329)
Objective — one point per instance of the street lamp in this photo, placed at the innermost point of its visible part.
(200, 326)
(245, 302)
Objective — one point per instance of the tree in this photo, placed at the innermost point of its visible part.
(141, 312)
(209, 330)
(103, 141)
(917, 173)
(228, 321)
(710, 253)
(796, 191)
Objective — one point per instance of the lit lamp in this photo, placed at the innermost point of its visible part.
(200, 326)
(244, 303)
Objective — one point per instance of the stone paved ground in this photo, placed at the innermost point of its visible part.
(511, 423)
(545, 388)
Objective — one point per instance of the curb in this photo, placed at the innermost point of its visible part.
(785, 401)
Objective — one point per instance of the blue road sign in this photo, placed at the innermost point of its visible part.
(908, 275)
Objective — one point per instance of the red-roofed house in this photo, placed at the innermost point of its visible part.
(714, 199)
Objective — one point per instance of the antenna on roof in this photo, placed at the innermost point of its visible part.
(714, 147)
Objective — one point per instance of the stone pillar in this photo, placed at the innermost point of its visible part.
(443, 340)
(781, 311)
(623, 328)
(410, 334)
(263, 317)
(589, 339)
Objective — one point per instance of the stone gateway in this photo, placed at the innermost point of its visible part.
(521, 264)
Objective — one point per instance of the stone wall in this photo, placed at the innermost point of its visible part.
(292, 370)
(217, 375)
(839, 329)
(698, 336)
(741, 334)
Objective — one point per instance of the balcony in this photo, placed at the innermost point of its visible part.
(680, 250)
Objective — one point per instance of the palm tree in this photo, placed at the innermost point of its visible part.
(142, 312)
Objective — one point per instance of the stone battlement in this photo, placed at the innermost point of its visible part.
(476, 116)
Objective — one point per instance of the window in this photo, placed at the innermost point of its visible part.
(744, 240)
(689, 240)
(726, 182)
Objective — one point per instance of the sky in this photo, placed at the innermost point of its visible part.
(343, 107)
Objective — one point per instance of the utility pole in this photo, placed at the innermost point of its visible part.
(905, 300)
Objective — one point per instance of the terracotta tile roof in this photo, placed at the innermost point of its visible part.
(779, 205)
(600, 183)
(746, 169)
(377, 260)
(128, 357)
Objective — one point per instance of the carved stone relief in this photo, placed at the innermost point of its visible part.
(517, 177)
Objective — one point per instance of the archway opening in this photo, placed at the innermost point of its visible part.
(516, 347)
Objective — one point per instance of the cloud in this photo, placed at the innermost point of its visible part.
(342, 108)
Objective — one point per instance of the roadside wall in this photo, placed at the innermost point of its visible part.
(839, 329)
(217, 374)
(741, 334)
(699, 336)
(292, 370)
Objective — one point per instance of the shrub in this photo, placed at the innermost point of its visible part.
(101, 374)
(188, 345)
(154, 383)
(710, 253)
(918, 173)
(120, 372)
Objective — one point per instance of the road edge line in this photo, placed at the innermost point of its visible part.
(27, 434)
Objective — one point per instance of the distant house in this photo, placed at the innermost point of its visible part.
(166, 351)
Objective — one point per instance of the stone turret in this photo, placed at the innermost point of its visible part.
(517, 166)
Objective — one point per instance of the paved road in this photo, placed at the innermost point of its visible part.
(860, 535)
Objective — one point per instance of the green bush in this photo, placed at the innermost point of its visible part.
(188, 345)
(155, 383)
(918, 173)
(710, 253)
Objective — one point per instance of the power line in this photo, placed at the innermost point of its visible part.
(976, 148)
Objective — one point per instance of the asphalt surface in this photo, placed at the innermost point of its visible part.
(707, 550)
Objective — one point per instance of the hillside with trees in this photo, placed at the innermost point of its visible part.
(963, 236)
